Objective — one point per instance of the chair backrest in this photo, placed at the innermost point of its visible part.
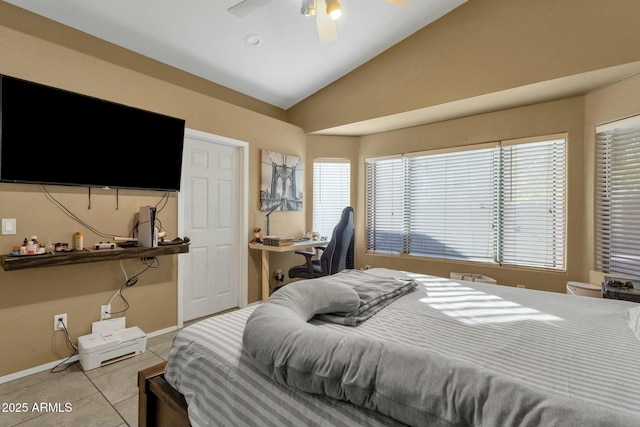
(339, 252)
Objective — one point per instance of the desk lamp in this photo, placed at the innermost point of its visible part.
(269, 213)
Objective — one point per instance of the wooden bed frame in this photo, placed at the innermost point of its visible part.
(159, 404)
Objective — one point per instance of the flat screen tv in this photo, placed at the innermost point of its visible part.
(53, 136)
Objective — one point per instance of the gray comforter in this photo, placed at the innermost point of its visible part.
(373, 298)
(414, 386)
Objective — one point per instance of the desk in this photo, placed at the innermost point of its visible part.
(266, 272)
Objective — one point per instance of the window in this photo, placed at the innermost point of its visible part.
(618, 198)
(500, 203)
(331, 193)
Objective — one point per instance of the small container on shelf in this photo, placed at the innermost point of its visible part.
(78, 243)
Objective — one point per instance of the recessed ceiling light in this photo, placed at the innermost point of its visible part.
(253, 40)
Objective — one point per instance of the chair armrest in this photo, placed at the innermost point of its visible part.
(306, 254)
(322, 248)
(308, 262)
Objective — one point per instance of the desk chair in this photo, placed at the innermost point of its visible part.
(336, 256)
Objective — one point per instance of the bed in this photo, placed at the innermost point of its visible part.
(440, 352)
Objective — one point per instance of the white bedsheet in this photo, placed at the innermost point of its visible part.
(575, 346)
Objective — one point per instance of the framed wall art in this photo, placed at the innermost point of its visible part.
(282, 182)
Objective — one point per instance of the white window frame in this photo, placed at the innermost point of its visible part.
(395, 227)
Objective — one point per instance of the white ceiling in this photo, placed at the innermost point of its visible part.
(204, 39)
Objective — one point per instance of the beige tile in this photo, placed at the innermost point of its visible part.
(122, 383)
(128, 409)
(69, 388)
(37, 378)
(168, 337)
(161, 349)
(106, 396)
(91, 411)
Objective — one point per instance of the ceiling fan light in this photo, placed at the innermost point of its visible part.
(334, 9)
(308, 7)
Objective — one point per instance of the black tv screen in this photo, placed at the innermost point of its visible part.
(53, 136)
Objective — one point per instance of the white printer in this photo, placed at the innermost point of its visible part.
(109, 345)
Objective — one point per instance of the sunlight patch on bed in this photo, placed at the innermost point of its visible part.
(474, 307)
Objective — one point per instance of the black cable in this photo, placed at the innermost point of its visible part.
(72, 215)
(152, 262)
(73, 352)
(163, 200)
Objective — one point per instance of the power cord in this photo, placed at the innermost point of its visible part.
(151, 262)
(73, 351)
(163, 201)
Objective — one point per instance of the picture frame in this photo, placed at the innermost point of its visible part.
(282, 182)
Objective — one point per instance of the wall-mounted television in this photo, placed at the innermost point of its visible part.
(53, 136)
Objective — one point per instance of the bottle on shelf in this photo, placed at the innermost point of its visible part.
(78, 243)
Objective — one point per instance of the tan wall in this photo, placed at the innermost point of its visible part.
(615, 102)
(536, 120)
(482, 47)
(31, 298)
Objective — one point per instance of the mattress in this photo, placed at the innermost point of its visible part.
(578, 347)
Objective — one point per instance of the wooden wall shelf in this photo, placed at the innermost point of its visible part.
(10, 263)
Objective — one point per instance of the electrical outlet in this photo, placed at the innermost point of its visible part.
(105, 311)
(57, 326)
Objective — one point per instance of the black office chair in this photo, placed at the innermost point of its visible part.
(336, 256)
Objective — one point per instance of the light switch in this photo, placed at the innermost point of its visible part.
(8, 226)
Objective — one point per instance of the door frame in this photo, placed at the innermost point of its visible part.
(243, 229)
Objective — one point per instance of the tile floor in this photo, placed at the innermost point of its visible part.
(107, 396)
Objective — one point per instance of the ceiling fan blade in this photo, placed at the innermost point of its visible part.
(245, 7)
(400, 2)
(326, 26)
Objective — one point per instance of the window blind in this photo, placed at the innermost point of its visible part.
(618, 198)
(503, 203)
(532, 204)
(449, 205)
(331, 193)
(384, 230)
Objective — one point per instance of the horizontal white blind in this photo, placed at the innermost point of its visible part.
(384, 231)
(449, 201)
(499, 203)
(331, 193)
(618, 200)
(532, 219)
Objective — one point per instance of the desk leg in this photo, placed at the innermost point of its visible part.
(265, 275)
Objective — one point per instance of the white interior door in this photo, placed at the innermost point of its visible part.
(211, 216)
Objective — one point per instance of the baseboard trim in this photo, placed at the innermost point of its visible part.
(36, 369)
(162, 331)
(75, 358)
